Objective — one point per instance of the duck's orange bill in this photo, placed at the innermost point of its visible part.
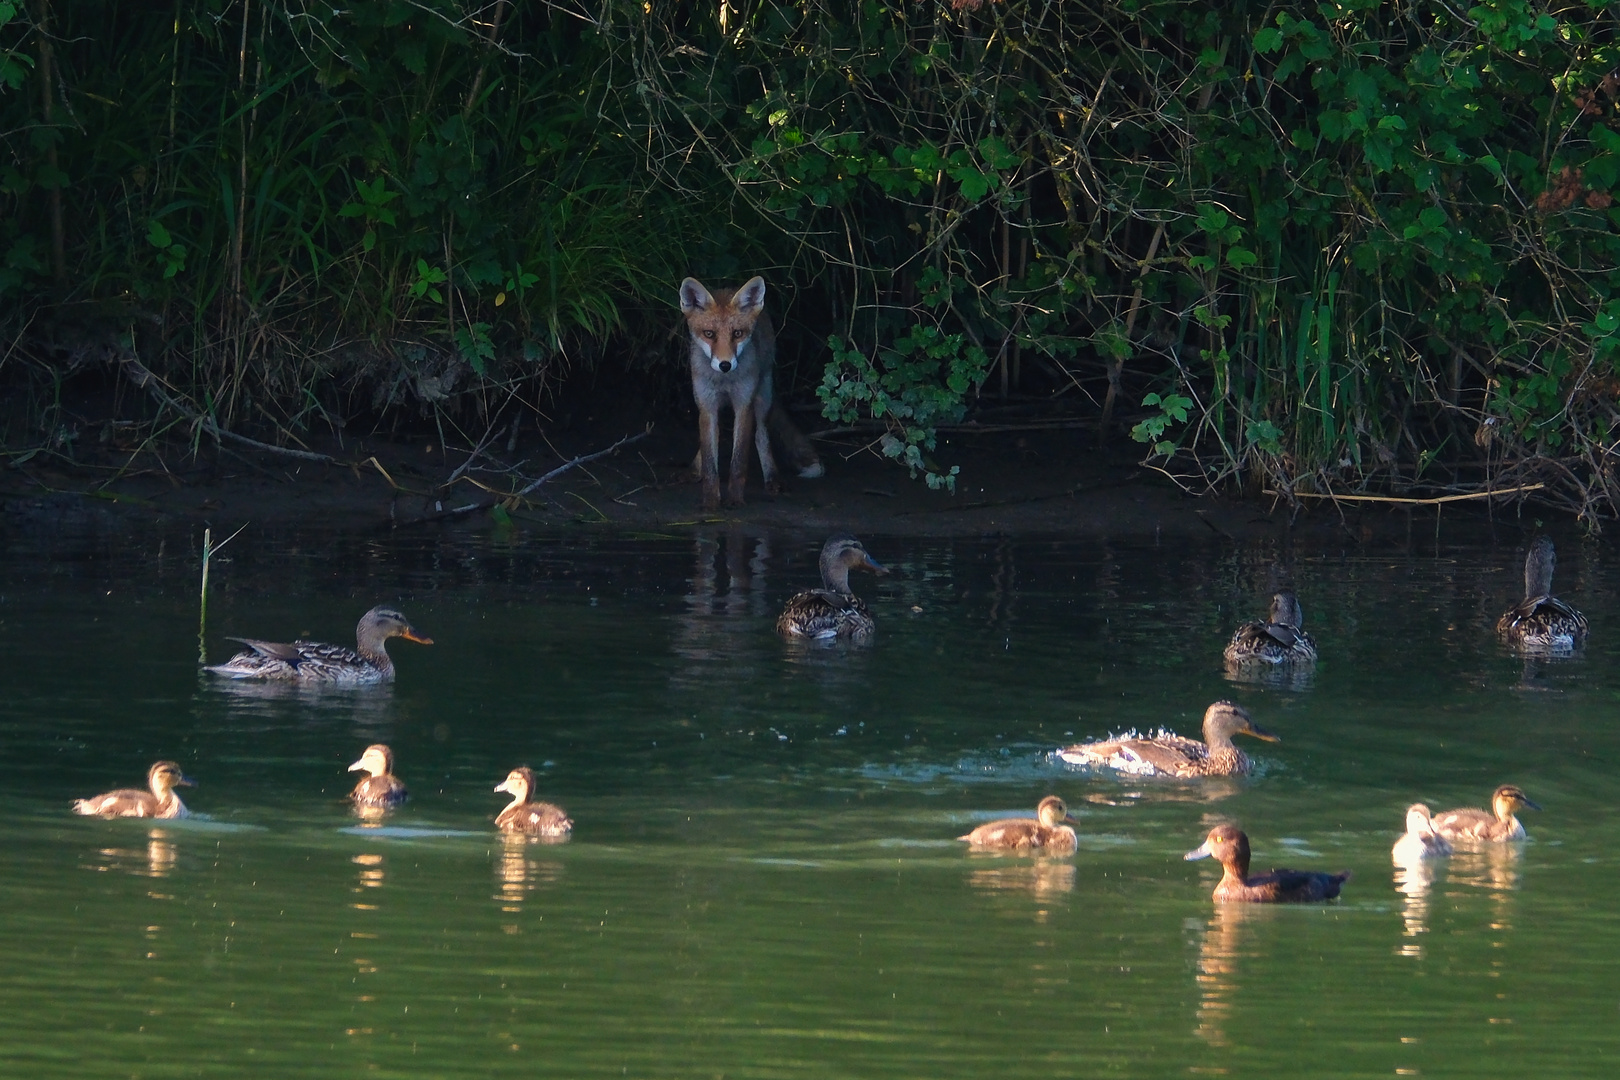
(412, 635)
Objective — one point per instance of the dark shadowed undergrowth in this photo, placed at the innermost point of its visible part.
(1339, 247)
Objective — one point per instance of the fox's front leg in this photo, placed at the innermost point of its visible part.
(709, 453)
(742, 435)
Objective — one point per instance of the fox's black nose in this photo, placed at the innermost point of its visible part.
(725, 366)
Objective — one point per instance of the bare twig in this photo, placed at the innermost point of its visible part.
(583, 458)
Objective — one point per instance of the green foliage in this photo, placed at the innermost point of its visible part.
(914, 386)
(1172, 410)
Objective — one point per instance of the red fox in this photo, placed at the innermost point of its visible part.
(733, 350)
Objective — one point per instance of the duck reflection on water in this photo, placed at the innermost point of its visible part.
(156, 860)
(1221, 951)
(518, 873)
(1041, 879)
(373, 875)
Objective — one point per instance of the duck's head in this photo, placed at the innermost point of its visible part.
(1224, 719)
(1285, 610)
(519, 782)
(1226, 843)
(841, 554)
(164, 776)
(1053, 810)
(378, 760)
(383, 622)
(1419, 820)
(1508, 799)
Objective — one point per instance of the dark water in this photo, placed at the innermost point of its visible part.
(762, 881)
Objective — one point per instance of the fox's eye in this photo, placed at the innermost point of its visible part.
(735, 334)
(709, 334)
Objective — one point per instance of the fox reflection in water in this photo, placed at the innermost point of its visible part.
(519, 874)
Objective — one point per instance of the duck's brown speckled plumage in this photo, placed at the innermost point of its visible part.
(1230, 846)
(1499, 824)
(541, 819)
(1280, 639)
(159, 801)
(318, 662)
(832, 611)
(380, 789)
(1541, 623)
(1044, 832)
(1169, 754)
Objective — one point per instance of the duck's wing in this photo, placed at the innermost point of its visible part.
(1161, 754)
(1296, 886)
(1015, 833)
(1467, 823)
(125, 802)
(821, 613)
(535, 819)
(274, 650)
(383, 791)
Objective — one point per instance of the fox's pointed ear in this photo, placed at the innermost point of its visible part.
(694, 297)
(751, 295)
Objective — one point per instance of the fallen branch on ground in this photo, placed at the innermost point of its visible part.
(141, 376)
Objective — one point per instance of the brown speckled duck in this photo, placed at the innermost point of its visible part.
(1281, 639)
(158, 802)
(1169, 754)
(1470, 824)
(1541, 623)
(1420, 841)
(1229, 845)
(1044, 832)
(530, 818)
(832, 611)
(316, 662)
(380, 789)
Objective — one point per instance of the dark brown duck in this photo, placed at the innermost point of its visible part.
(1229, 845)
(832, 611)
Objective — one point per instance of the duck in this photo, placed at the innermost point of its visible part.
(158, 802)
(1230, 845)
(1472, 824)
(1278, 640)
(832, 611)
(1169, 754)
(1420, 841)
(1541, 623)
(380, 789)
(317, 662)
(1044, 832)
(530, 818)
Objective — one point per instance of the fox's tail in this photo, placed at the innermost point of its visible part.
(801, 455)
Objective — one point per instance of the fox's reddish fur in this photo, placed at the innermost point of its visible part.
(732, 353)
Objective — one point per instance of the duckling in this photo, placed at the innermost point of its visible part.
(1470, 823)
(1278, 640)
(1169, 754)
(832, 611)
(160, 802)
(1420, 840)
(1230, 845)
(315, 662)
(533, 818)
(1541, 623)
(380, 789)
(1044, 832)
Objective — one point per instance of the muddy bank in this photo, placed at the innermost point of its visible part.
(1042, 482)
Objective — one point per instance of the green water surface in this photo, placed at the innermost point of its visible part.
(763, 880)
